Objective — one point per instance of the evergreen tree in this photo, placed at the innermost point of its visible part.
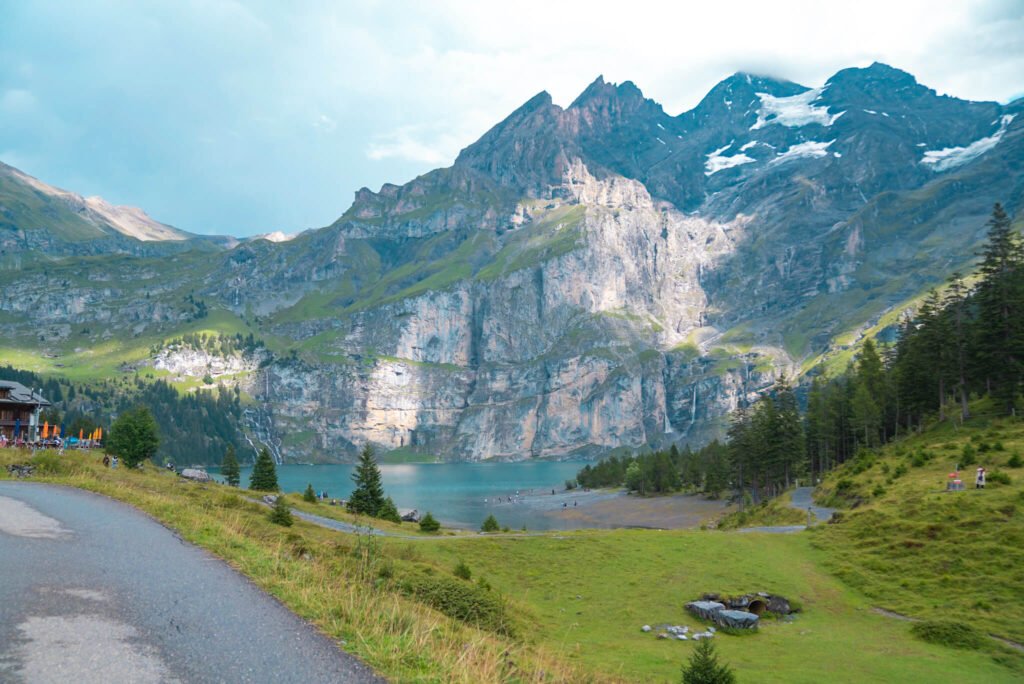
(388, 511)
(428, 523)
(789, 430)
(1000, 309)
(704, 668)
(368, 496)
(956, 313)
(264, 473)
(229, 467)
(134, 437)
(281, 514)
(309, 495)
(490, 524)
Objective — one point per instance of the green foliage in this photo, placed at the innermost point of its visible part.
(462, 571)
(490, 524)
(281, 514)
(230, 469)
(949, 633)
(428, 523)
(1015, 461)
(368, 496)
(133, 436)
(704, 668)
(997, 477)
(264, 473)
(309, 495)
(968, 456)
(461, 600)
(388, 511)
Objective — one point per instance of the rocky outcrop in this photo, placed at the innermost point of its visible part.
(580, 279)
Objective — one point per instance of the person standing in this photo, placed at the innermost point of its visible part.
(979, 480)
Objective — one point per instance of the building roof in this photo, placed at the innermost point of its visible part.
(19, 394)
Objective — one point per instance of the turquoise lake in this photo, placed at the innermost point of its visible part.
(458, 494)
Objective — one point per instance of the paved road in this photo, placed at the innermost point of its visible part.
(801, 499)
(91, 590)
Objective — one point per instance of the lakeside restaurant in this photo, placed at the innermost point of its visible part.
(19, 411)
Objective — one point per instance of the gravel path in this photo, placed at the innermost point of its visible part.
(91, 590)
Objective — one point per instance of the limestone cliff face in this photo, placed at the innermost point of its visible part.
(571, 355)
(581, 279)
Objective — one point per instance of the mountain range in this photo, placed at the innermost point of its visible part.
(581, 279)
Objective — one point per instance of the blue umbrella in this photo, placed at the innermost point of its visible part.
(17, 427)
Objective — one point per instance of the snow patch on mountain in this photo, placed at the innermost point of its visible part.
(718, 162)
(952, 157)
(793, 111)
(808, 150)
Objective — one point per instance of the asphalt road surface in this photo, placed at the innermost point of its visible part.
(91, 590)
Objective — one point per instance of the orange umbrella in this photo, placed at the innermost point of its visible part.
(81, 432)
(56, 430)
(99, 433)
(46, 429)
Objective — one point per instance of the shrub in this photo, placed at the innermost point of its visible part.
(428, 523)
(878, 491)
(490, 524)
(983, 447)
(309, 495)
(998, 477)
(461, 600)
(998, 446)
(388, 511)
(899, 472)
(570, 484)
(968, 456)
(462, 571)
(948, 633)
(1014, 462)
(280, 514)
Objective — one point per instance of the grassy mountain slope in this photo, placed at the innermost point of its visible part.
(916, 549)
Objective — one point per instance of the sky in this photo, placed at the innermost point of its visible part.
(225, 117)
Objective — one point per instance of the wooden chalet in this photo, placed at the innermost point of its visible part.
(19, 409)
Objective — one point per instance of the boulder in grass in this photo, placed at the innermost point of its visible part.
(195, 474)
(705, 610)
(645, 628)
(736, 619)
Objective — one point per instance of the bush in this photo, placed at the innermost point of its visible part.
(388, 511)
(461, 600)
(948, 633)
(490, 524)
(997, 477)
(309, 495)
(570, 484)
(281, 514)
(1014, 462)
(878, 491)
(429, 524)
(462, 571)
(968, 456)
(899, 472)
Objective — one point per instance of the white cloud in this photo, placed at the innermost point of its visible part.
(403, 144)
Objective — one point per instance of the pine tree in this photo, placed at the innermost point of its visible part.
(490, 524)
(309, 495)
(368, 496)
(388, 511)
(704, 668)
(428, 523)
(956, 310)
(281, 514)
(264, 473)
(1000, 308)
(229, 467)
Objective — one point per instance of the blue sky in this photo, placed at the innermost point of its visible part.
(244, 118)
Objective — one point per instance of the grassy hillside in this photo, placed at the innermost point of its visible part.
(573, 603)
(913, 548)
